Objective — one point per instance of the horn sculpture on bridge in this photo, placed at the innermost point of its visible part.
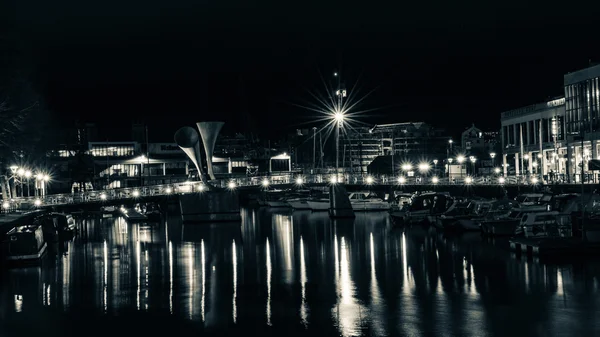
(187, 139)
(209, 132)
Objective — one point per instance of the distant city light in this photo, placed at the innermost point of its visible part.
(369, 180)
(534, 180)
(501, 180)
(468, 180)
(333, 179)
(5, 205)
(299, 181)
(201, 187)
(169, 190)
(21, 172)
(406, 167)
(265, 182)
(27, 174)
(338, 116)
(401, 180)
(136, 193)
(46, 177)
(37, 202)
(497, 170)
(460, 159)
(435, 180)
(231, 185)
(424, 167)
(102, 196)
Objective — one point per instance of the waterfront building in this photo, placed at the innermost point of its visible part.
(532, 139)
(409, 141)
(556, 139)
(483, 147)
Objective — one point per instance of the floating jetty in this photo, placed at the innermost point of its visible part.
(553, 246)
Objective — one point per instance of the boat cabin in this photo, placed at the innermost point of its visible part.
(24, 243)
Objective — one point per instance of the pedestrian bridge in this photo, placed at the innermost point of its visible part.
(244, 183)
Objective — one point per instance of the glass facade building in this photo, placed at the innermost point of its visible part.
(582, 101)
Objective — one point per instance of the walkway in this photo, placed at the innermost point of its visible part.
(235, 183)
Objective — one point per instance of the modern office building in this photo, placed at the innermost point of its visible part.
(556, 138)
(409, 141)
(531, 137)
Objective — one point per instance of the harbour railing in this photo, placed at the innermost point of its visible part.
(297, 180)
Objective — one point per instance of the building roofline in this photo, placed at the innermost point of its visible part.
(552, 103)
(582, 74)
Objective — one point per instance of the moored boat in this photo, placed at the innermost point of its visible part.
(24, 244)
(133, 215)
(364, 202)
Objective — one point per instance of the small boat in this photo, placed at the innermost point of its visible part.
(298, 203)
(109, 211)
(152, 212)
(422, 205)
(133, 215)
(56, 226)
(365, 202)
(318, 204)
(24, 244)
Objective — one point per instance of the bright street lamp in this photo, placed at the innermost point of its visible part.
(103, 196)
(369, 180)
(497, 170)
(136, 193)
(265, 182)
(401, 180)
(231, 185)
(501, 180)
(406, 167)
(424, 167)
(468, 180)
(435, 180)
(299, 181)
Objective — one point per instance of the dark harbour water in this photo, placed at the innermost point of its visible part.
(282, 275)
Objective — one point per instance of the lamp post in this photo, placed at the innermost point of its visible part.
(473, 160)
(338, 116)
(406, 168)
(27, 176)
(460, 159)
(435, 161)
(21, 173)
(423, 169)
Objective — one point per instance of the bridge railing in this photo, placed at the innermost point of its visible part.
(233, 183)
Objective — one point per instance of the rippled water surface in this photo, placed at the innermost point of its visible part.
(288, 274)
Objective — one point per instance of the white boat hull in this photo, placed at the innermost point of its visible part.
(370, 206)
(298, 204)
(318, 206)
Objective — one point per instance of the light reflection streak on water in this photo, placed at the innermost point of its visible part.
(203, 272)
(105, 285)
(336, 259)
(18, 303)
(190, 263)
(304, 306)
(66, 274)
(147, 279)
(171, 277)
(526, 276)
(559, 283)
(405, 286)
(376, 300)
(347, 310)
(48, 294)
(269, 271)
(234, 260)
(138, 251)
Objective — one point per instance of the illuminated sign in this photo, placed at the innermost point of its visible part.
(556, 102)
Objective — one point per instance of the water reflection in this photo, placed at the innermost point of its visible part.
(303, 271)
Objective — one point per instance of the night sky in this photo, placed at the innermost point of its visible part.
(173, 63)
